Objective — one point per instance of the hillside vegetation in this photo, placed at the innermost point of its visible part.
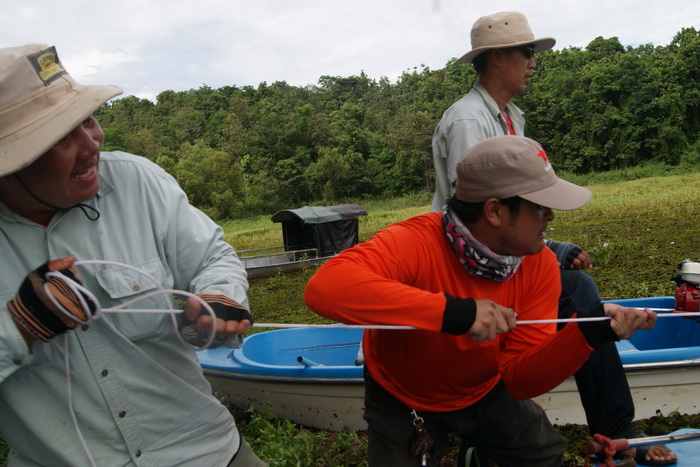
(255, 150)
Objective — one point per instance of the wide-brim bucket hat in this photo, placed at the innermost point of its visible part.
(503, 30)
(40, 103)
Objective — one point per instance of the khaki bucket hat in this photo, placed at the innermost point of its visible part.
(506, 166)
(503, 30)
(39, 103)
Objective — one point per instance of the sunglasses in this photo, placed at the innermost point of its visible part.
(528, 51)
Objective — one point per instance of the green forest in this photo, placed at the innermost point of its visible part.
(240, 151)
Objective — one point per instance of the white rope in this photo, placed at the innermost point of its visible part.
(79, 291)
(522, 322)
(605, 318)
(71, 410)
(337, 326)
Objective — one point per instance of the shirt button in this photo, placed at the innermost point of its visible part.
(135, 287)
(122, 414)
(138, 453)
(84, 327)
(105, 372)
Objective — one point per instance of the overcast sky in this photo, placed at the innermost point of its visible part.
(148, 46)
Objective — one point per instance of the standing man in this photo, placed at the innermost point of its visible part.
(78, 388)
(503, 48)
(460, 277)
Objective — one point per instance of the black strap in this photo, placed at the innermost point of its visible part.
(93, 216)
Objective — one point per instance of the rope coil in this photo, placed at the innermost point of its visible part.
(80, 291)
(91, 315)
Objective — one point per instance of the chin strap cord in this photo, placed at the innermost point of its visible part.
(93, 216)
(86, 208)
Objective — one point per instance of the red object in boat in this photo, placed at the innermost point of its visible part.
(687, 287)
(687, 297)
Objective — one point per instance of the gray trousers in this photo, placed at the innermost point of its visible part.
(512, 433)
(245, 457)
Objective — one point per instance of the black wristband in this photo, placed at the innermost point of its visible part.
(596, 332)
(225, 307)
(459, 315)
(33, 310)
(566, 252)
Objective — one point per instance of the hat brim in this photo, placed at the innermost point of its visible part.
(542, 44)
(23, 147)
(562, 195)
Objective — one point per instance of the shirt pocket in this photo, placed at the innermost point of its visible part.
(137, 286)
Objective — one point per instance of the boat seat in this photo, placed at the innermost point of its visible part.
(625, 346)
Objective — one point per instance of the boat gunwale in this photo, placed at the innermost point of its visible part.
(275, 379)
(242, 367)
(686, 363)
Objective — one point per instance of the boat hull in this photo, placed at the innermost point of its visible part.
(662, 368)
(658, 391)
(328, 395)
(332, 406)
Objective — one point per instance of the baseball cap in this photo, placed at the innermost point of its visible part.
(506, 166)
(503, 30)
(40, 103)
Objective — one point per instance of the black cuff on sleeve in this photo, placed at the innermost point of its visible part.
(566, 252)
(460, 314)
(596, 332)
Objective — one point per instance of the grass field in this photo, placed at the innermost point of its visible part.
(636, 232)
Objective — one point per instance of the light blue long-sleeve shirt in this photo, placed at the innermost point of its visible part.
(471, 119)
(138, 391)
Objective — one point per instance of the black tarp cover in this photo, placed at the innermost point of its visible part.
(329, 229)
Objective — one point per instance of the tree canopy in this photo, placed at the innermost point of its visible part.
(245, 150)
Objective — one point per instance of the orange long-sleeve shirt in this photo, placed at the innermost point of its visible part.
(400, 276)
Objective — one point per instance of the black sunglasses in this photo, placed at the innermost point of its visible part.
(528, 51)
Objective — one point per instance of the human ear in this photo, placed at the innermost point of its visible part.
(498, 56)
(493, 212)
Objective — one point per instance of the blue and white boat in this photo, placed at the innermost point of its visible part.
(325, 390)
(309, 375)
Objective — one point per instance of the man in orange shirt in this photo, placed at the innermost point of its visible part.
(503, 55)
(462, 277)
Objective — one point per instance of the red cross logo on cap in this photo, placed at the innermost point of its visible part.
(543, 155)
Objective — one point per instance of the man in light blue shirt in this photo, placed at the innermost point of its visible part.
(78, 387)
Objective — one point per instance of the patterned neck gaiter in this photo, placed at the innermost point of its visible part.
(476, 257)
